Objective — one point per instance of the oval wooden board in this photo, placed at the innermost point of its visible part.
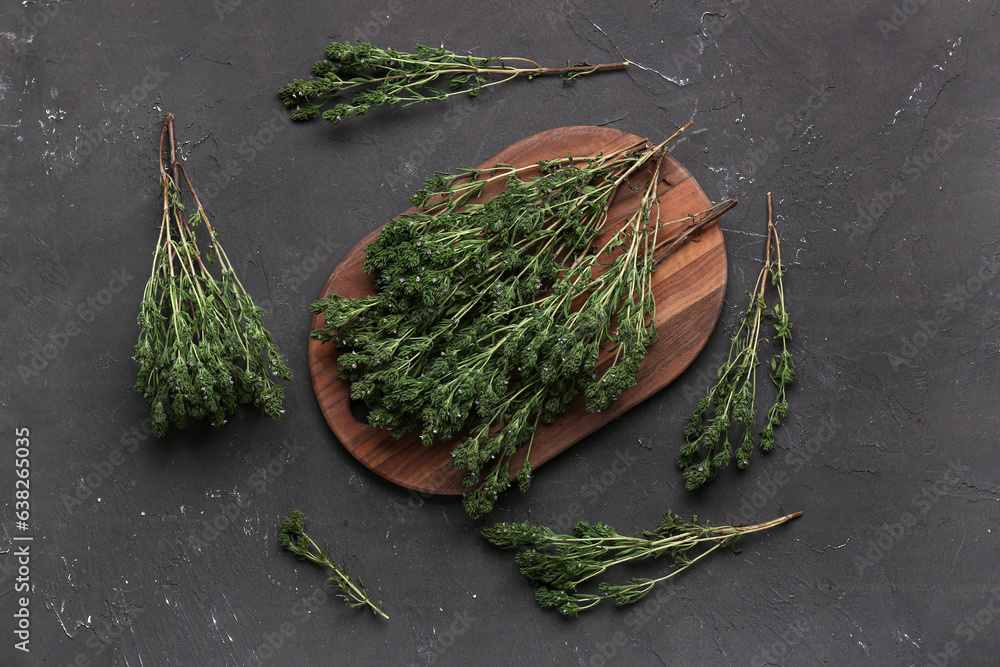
(689, 287)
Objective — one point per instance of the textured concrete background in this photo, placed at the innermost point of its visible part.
(877, 127)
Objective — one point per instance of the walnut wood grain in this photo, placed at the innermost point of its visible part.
(689, 287)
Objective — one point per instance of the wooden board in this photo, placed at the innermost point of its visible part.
(689, 287)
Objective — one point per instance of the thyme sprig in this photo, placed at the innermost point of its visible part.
(372, 76)
(491, 316)
(560, 564)
(731, 401)
(203, 349)
(294, 538)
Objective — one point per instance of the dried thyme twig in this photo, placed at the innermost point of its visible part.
(562, 563)
(203, 349)
(731, 400)
(374, 76)
(293, 537)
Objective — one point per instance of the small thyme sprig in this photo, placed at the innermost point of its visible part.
(293, 537)
(731, 400)
(562, 563)
(491, 317)
(374, 77)
(203, 349)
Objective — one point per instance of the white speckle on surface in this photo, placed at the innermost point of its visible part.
(672, 79)
(12, 36)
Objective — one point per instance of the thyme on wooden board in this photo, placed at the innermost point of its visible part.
(491, 316)
(294, 538)
(730, 402)
(560, 564)
(203, 349)
(367, 76)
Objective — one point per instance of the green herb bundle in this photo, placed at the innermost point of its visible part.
(203, 349)
(562, 563)
(374, 77)
(731, 401)
(294, 538)
(491, 315)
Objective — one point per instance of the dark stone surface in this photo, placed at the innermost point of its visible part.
(891, 444)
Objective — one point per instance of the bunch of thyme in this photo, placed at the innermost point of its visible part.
(374, 77)
(203, 349)
(293, 537)
(731, 400)
(562, 563)
(490, 316)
